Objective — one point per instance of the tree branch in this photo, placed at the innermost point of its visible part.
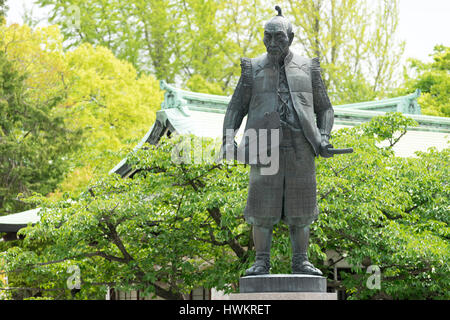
(235, 246)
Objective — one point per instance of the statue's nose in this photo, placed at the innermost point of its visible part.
(272, 41)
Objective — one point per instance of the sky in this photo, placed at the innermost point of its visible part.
(423, 24)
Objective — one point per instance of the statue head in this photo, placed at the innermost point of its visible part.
(278, 36)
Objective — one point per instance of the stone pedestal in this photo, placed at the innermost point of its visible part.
(282, 296)
(282, 283)
(282, 287)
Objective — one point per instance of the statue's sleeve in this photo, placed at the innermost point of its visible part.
(239, 103)
(322, 105)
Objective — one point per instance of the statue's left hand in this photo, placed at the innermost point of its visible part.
(323, 151)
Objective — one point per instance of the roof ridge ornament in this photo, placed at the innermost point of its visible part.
(173, 99)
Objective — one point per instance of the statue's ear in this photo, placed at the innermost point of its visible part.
(291, 38)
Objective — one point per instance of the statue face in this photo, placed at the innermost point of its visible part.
(276, 39)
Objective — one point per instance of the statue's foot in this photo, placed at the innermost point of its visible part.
(257, 269)
(261, 265)
(305, 267)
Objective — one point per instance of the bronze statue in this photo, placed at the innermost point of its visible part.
(281, 90)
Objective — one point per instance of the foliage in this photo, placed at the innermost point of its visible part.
(3, 9)
(433, 80)
(92, 91)
(34, 140)
(388, 211)
(204, 39)
(198, 84)
(356, 43)
(178, 225)
(112, 105)
(164, 37)
(38, 54)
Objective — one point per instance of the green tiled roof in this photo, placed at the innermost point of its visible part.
(16, 221)
(182, 100)
(179, 104)
(404, 104)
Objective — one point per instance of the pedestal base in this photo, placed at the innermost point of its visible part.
(282, 283)
(282, 296)
(281, 287)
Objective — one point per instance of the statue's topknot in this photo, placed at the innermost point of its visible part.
(279, 11)
(280, 19)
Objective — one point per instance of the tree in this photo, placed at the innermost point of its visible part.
(111, 104)
(178, 224)
(433, 80)
(98, 94)
(395, 214)
(173, 40)
(355, 42)
(81, 100)
(3, 9)
(34, 139)
(205, 39)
